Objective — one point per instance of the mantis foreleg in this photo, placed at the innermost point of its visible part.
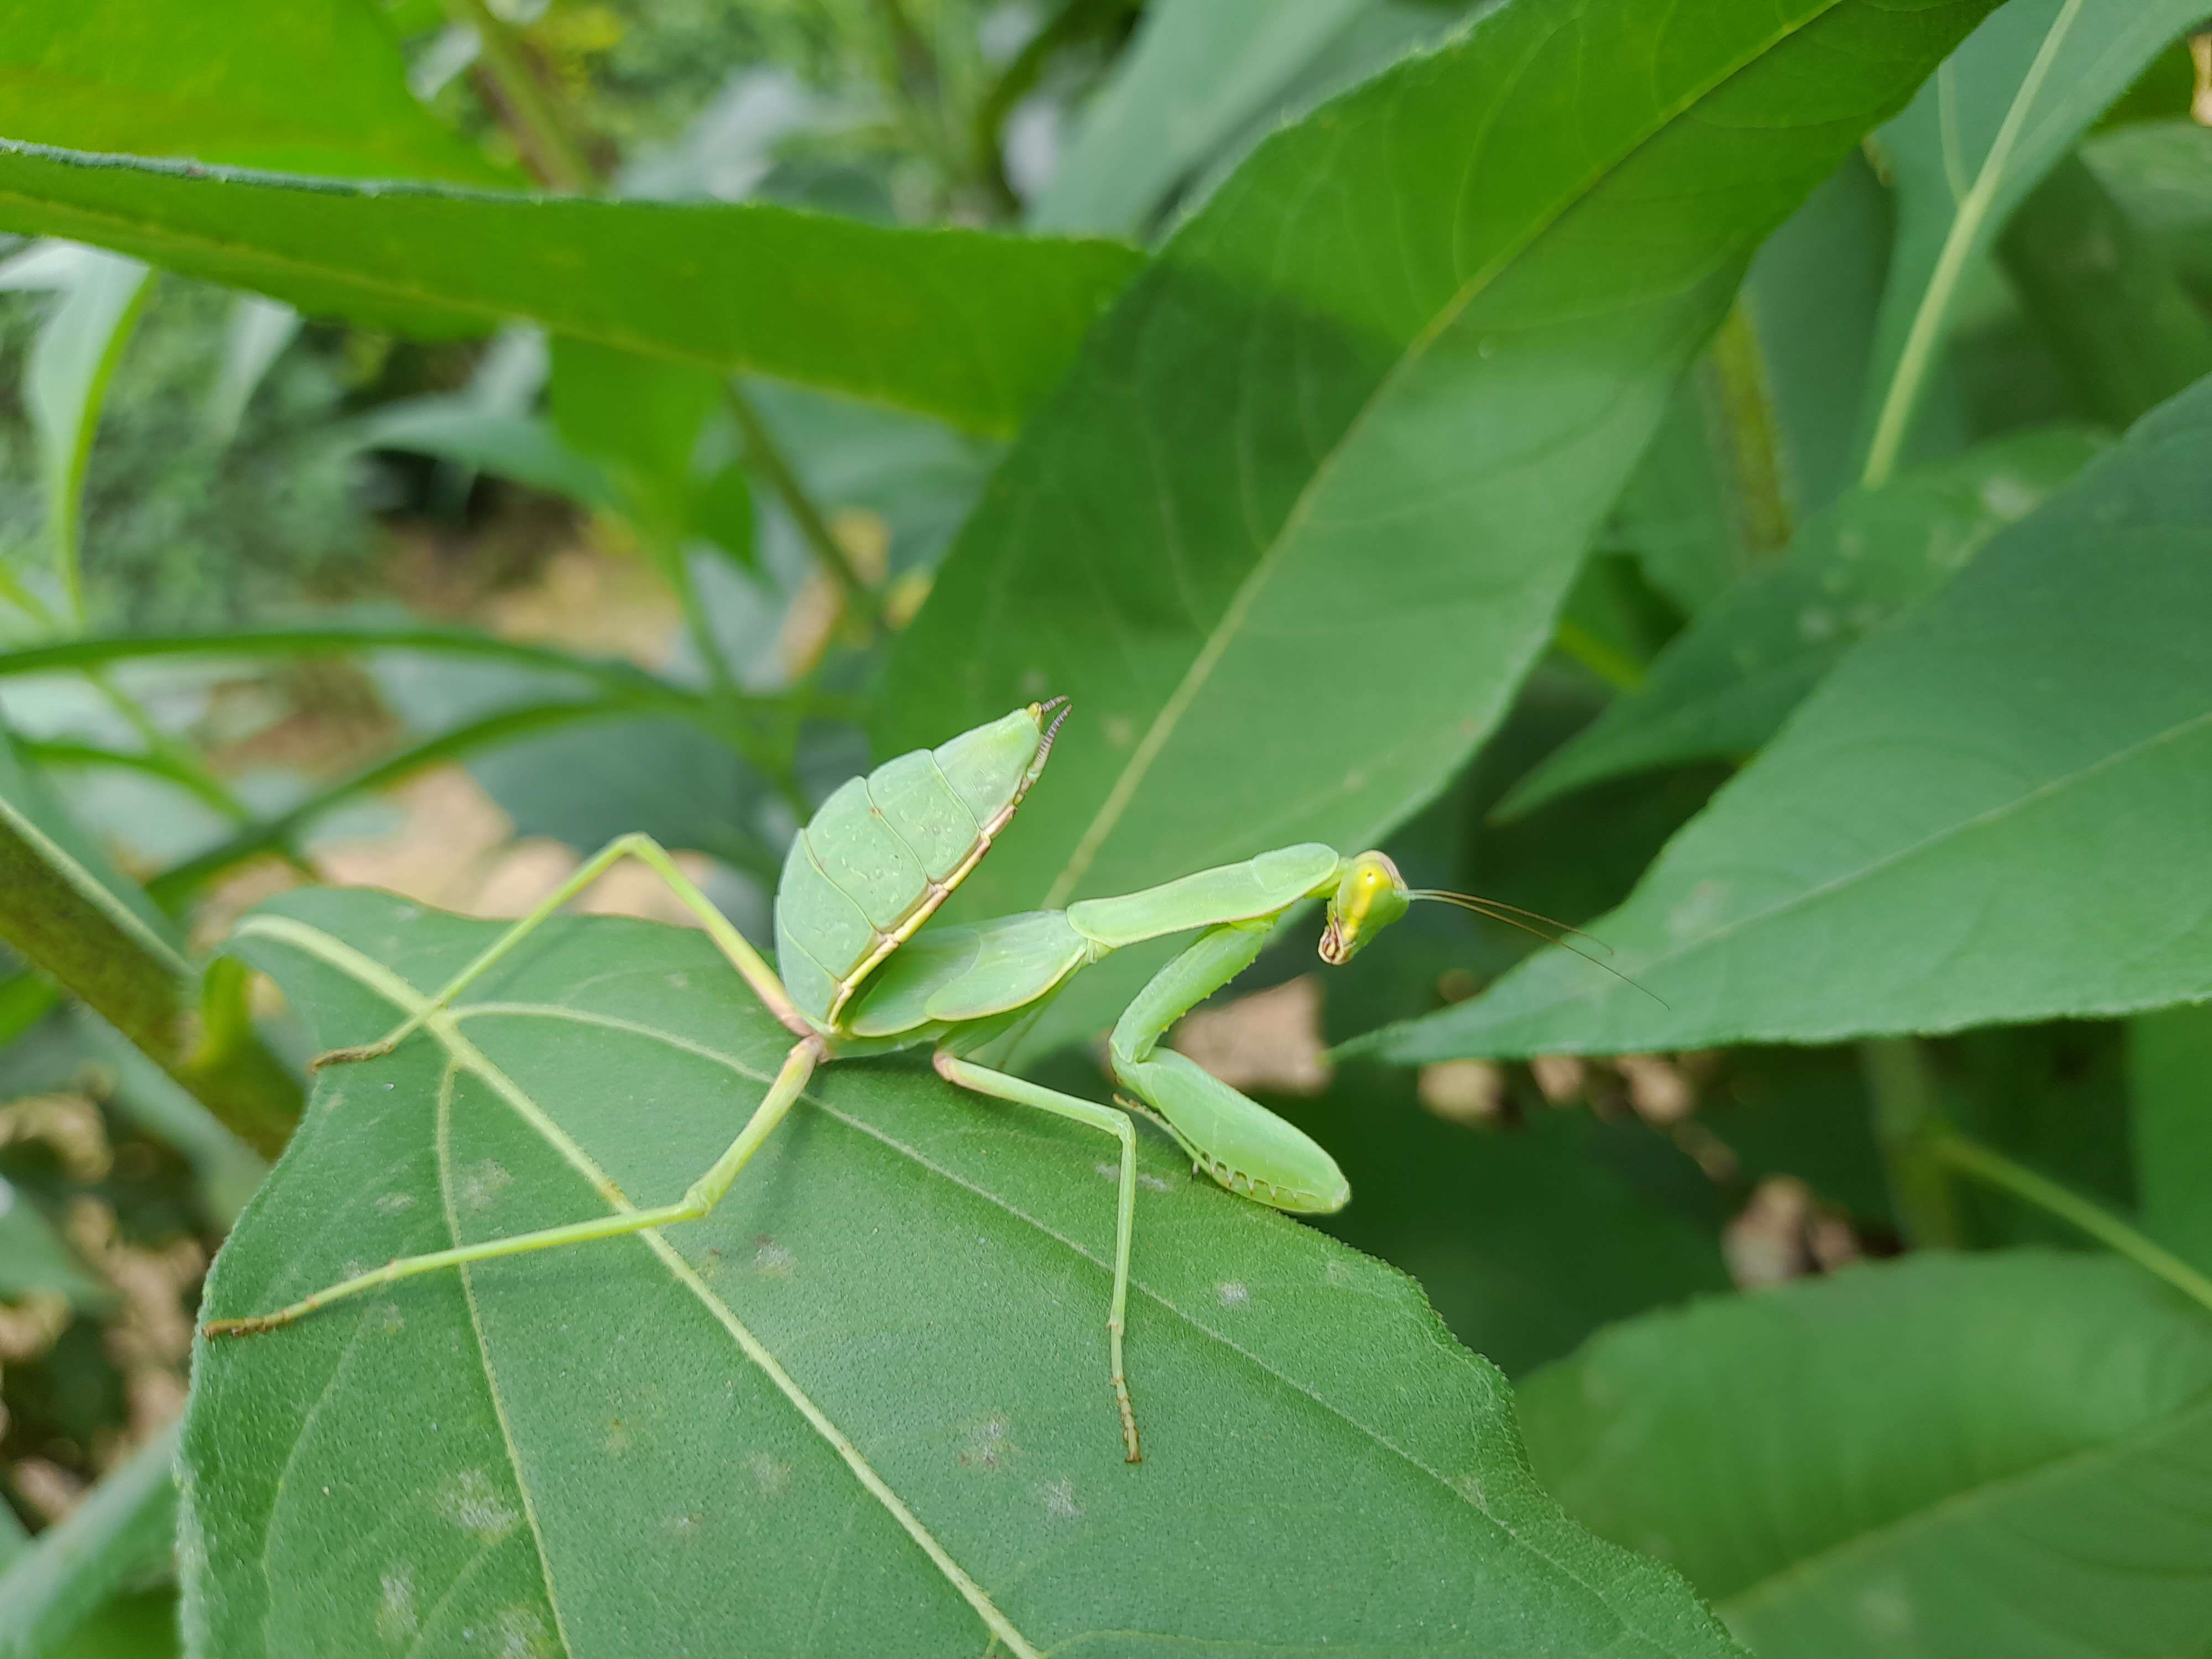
(1237, 1141)
(999, 1085)
(648, 852)
(698, 1200)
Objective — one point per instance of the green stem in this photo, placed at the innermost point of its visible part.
(529, 115)
(1908, 1119)
(2099, 1222)
(769, 459)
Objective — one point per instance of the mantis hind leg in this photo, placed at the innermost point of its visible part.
(698, 1200)
(647, 851)
(1000, 1086)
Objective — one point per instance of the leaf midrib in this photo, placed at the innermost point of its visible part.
(1218, 639)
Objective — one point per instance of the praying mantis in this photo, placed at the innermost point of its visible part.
(860, 976)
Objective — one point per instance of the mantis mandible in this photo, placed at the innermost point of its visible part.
(860, 977)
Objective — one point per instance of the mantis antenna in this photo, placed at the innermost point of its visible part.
(1527, 921)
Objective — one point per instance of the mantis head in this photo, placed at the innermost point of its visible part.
(1370, 895)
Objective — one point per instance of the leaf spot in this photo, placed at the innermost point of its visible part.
(484, 1182)
(1815, 624)
(395, 1607)
(1119, 730)
(1059, 1500)
(520, 1632)
(1232, 1293)
(1699, 909)
(771, 1474)
(679, 981)
(1156, 1183)
(394, 1203)
(989, 1444)
(770, 1259)
(472, 1502)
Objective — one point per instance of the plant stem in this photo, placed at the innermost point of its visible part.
(1908, 1122)
(769, 459)
(1617, 668)
(2099, 1222)
(529, 115)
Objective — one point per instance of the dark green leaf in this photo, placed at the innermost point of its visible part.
(2157, 173)
(2103, 296)
(1723, 688)
(2170, 1077)
(1300, 521)
(971, 327)
(524, 448)
(641, 415)
(2009, 103)
(592, 1448)
(1939, 1458)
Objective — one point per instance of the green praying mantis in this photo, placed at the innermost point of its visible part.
(860, 976)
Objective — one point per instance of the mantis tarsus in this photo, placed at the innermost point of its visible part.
(860, 977)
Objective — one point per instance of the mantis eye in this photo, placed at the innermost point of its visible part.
(1370, 895)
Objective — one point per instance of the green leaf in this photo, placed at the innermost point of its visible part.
(316, 90)
(971, 327)
(1943, 1457)
(1196, 71)
(1402, 328)
(2169, 1096)
(65, 383)
(255, 337)
(458, 427)
(2006, 105)
(863, 1407)
(1722, 686)
(2103, 296)
(114, 1540)
(1908, 855)
(2157, 173)
(66, 910)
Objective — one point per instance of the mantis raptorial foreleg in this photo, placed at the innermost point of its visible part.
(698, 1200)
(647, 851)
(1000, 1086)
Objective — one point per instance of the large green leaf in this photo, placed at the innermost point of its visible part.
(319, 88)
(958, 324)
(1987, 812)
(1724, 686)
(1989, 124)
(1945, 1457)
(2157, 171)
(1295, 528)
(860, 1408)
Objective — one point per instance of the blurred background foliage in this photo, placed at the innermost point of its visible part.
(245, 469)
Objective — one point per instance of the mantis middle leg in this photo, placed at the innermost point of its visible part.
(1000, 1086)
(698, 1200)
(733, 944)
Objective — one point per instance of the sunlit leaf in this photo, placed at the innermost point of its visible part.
(1298, 525)
(1989, 811)
(862, 1407)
